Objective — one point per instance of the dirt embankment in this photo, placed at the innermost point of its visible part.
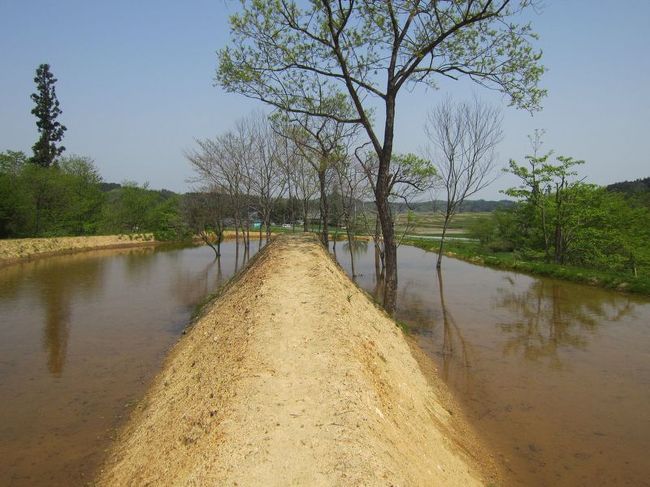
(20, 249)
(291, 377)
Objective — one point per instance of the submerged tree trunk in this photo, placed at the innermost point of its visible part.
(206, 238)
(351, 247)
(214, 249)
(390, 254)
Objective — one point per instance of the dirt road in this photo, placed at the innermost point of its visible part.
(291, 377)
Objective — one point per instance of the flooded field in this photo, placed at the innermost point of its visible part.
(81, 336)
(554, 376)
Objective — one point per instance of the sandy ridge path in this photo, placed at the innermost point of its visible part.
(293, 377)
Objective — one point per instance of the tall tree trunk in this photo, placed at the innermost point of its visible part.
(351, 247)
(442, 241)
(305, 211)
(305, 215)
(390, 261)
(324, 209)
(559, 252)
(379, 270)
(390, 252)
(267, 223)
(382, 193)
(379, 252)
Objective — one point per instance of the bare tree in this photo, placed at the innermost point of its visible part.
(306, 186)
(323, 143)
(204, 213)
(268, 183)
(353, 188)
(222, 163)
(299, 174)
(463, 138)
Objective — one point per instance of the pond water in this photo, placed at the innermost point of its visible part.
(554, 376)
(81, 337)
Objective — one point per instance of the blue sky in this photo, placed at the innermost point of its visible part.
(136, 85)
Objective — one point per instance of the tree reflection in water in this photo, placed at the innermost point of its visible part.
(552, 316)
(356, 250)
(456, 352)
(56, 292)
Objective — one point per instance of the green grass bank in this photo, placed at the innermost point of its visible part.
(474, 253)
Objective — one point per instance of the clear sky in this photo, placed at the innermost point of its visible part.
(135, 82)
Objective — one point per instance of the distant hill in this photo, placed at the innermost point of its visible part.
(631, 187)
(106, 187)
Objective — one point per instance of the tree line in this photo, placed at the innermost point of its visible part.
(334, 71)
(560, 218)
(67, 198)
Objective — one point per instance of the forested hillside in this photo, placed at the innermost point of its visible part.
(631, 187)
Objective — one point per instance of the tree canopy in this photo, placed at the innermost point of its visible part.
(46, 111)
(364, 52)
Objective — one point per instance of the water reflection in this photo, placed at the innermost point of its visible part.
(510, 345)
(548, 316)
(136, 262)
(56, 292)
(81, 335)
(55, 337)
(455, 350)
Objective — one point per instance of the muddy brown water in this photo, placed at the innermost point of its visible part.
(554, 376)
(81, 337)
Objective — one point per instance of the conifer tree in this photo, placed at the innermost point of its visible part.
(46, 111)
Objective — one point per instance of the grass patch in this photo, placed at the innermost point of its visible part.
(474, 253)
(403, 325)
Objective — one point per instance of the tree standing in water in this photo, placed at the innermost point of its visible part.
(46, 111)
(463, 138)
(288, 54)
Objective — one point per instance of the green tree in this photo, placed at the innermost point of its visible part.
(288, 55)
(13, 200)
(134, 209)
(608, 231)
(129, 209)
(46, 111)
(84, 196)
(550, 190)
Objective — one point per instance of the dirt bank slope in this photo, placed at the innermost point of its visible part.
(16, 250)
(292, 377)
